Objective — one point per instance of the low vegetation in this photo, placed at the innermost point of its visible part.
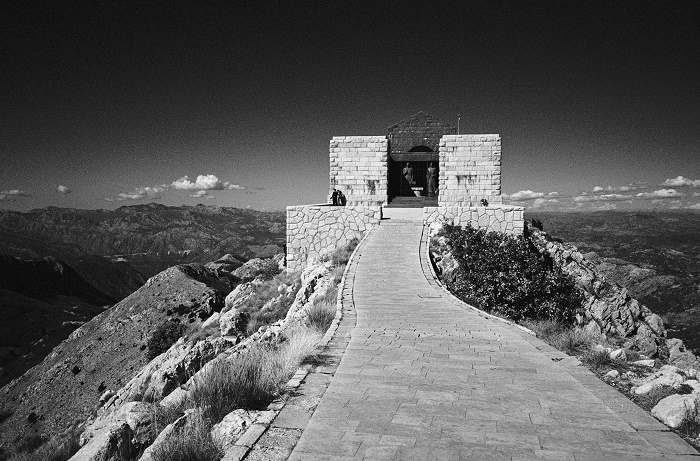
(165, 335)
(249, 380)
(35, 447)
(507, 276)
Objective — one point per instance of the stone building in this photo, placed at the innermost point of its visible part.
(421, 162)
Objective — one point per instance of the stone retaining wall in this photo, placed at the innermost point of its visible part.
(470, 170)
(359, 168)
(317, 230)
(500, 218)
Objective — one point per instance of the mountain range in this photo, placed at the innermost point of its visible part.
(59, 267)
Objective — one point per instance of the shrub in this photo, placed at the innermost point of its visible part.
(251, 379)
(341, 256)
(573, 341)
(506, 275)
(191, 443)
(37, 448)
(258, 305)
(649, 400)
(596, 360)
(321, 315)
(165, 335)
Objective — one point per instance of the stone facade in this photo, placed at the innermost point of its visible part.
(359, 169)
(470, 170)
(420, 129)
(314, 231)
(507, 219)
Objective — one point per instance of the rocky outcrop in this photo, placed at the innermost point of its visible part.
(167, 380)
(119, 435)
(608, 305)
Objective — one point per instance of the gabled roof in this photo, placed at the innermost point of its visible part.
(420, 129)
(420, 118)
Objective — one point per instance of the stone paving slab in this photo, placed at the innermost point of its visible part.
(424, 378)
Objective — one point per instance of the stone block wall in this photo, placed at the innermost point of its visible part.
(470, 170)
(359, 169)
(499, 218)
(314, 231)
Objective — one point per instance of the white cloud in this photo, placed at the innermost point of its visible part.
(537, 203)
(681, 181)
(603, 198)
(627, 188)
(694, 207)
(204, 182)
(526, 195)
(553, 194)
(201, 194)
(661, 193)
(139, 193)
(10, 194)
(64, 190)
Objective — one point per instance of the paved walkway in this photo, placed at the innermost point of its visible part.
(426, 378)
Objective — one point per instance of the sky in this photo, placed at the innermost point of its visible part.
(105, 104)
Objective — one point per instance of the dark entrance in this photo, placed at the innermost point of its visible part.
(419, 191)
(415, 142)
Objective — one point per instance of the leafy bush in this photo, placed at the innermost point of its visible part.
(506, 275)
(165, 335)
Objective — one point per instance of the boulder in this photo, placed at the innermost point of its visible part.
(680, 356)
(618, 354)
(212, 320)
(233, 322)
(169, 431)
(668, 375)
(675, 409)
(646, 341)
(117, 435)
(229, 430)
(645, 363)
(612, 374)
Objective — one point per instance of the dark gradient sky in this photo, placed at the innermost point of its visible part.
(109, 98)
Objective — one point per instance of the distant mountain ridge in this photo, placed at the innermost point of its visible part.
(150, 237)
(656, 255)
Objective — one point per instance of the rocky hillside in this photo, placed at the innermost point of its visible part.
(107, 351)
(41, 303)
(149, 237)
(656, 256)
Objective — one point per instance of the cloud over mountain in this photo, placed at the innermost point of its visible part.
(64, 190)
(203, 182)
(9, 194)
(201, 194)
(524, 195)
(139, 193)
(661, 194)
(603, 198)
(681, 181)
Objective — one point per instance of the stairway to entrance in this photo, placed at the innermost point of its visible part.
(425, 377)
(412, 202)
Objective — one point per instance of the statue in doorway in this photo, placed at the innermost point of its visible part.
(431, 179)
(408, 174)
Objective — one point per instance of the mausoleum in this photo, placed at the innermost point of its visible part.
(421, 162)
